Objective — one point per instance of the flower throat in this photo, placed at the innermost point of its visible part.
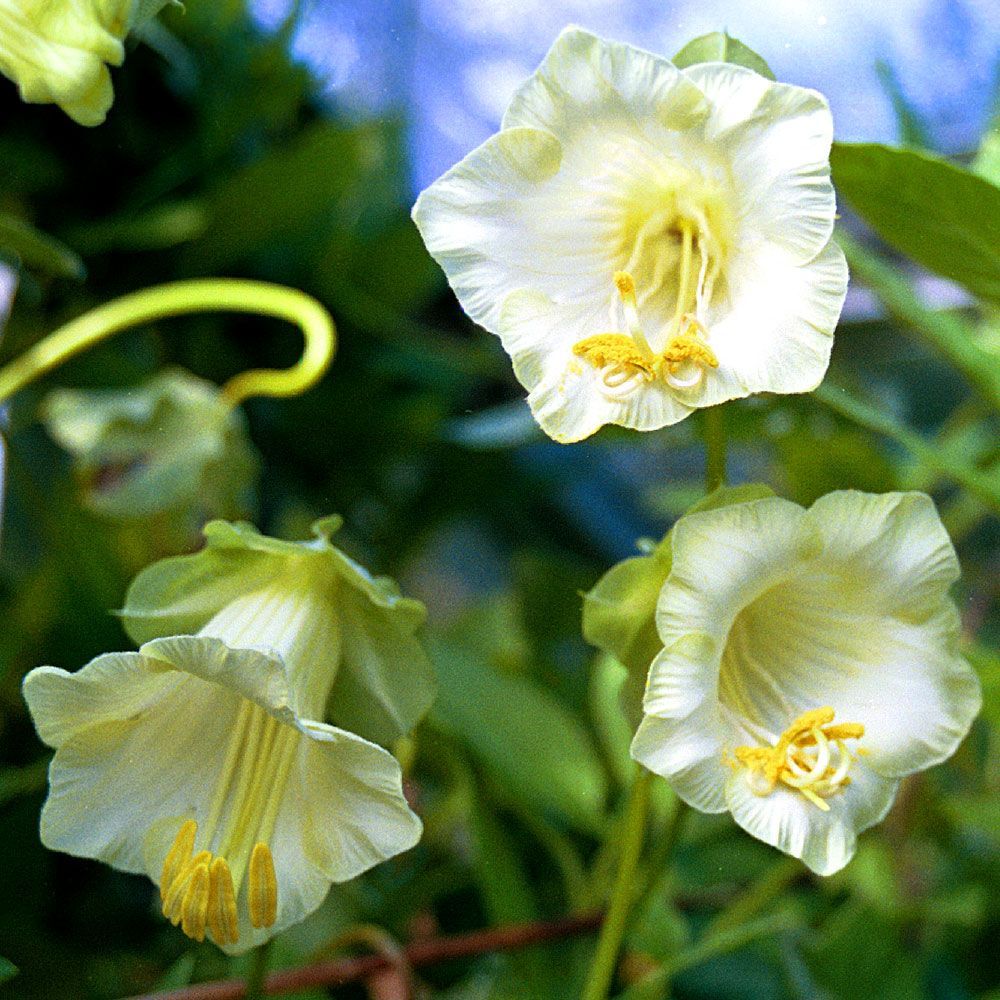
(682, 245)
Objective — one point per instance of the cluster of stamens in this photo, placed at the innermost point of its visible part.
(198, 892)
(810, 757)
(626, 361)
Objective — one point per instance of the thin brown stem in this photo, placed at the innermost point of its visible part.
(348, 970)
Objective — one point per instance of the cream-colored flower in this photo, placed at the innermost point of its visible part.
(810, 662)
(646, 240)
(58, 51)
(201, 760)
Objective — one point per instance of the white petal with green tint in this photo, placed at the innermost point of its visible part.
(810, 662)
(190, 733)
(645, 241)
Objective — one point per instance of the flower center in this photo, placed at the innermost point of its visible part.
(810, 757)
(626, 360)
(199, 889)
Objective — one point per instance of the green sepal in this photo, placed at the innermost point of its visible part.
(720, 46)
(619, 612)
(384, 682)
(170, 445)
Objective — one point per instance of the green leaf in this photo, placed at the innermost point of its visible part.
(937, 213)
(720, 46)
(987, 161)
(913, 130)
(37, 249)
(535, 748)
(8, 970)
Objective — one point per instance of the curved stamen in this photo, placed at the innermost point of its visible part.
(810, 757)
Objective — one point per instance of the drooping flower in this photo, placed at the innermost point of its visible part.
(171, 445)
(203, 761)
(59, 53)
(810, 662)
(646, 240)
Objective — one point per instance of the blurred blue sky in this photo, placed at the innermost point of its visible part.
(451, 65)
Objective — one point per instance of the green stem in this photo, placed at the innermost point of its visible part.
(982, 485)
(950, 335)
(715, 448)
(179, 298)
(622, 895)
(655, 985)
(257, 975)
(663, 850)
(757, 896)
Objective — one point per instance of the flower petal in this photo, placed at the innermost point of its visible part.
(350, 810)
(785, 819)
(683, 676)
(113, 686)
(724, 558)
(688, 753)
(778, 138)
(110, 781)
(894, 541)
(248, 673)
(585, 80)
(776, 334)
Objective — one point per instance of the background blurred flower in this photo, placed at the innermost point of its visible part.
(171, 445)
(59, 53)
(789, 634)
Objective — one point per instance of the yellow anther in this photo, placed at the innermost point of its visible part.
(173, 902)
(223, 920)
(178, 856)
(625, 284)
(194, 910)
(686, 347)
(809, 757)
(614, 351)
(262, 891)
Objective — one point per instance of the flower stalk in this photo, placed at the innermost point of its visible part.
(623, 894)
(181, 298)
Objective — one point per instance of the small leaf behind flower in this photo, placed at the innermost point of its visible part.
(720, 46)
(38, 250)
(934, 211)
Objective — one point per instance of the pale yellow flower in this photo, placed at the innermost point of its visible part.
(202, 760)
(58, 51)
(646, 240)
(810, 662)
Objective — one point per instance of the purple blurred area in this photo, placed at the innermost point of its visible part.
(450, 66)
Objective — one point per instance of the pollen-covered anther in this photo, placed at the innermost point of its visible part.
(618, 358)
(262, 894)
(811, 757)
(199, 892)
(689, 352)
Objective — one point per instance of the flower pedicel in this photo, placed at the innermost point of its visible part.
(646, 240)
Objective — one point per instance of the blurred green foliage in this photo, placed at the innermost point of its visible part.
(218, 159)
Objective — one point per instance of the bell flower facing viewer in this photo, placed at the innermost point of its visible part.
(646, 240)
(810, 662)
